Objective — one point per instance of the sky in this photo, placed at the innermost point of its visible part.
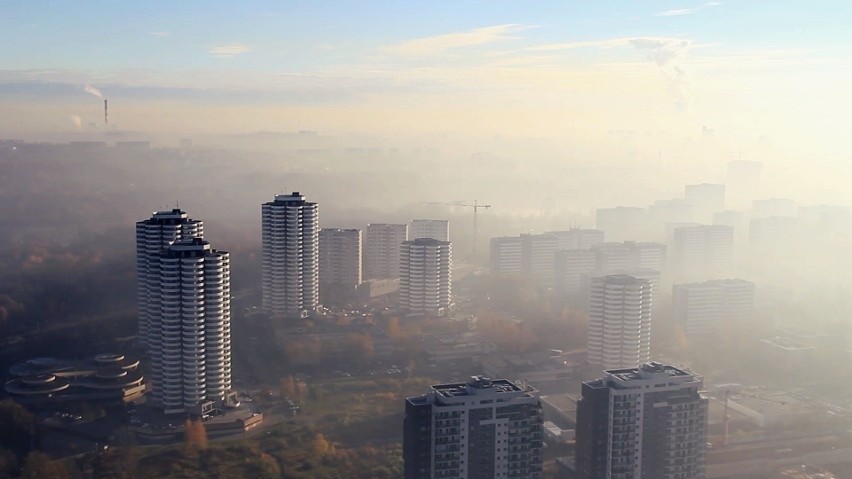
(776, 68)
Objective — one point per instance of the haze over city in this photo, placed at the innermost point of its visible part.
(400, 215)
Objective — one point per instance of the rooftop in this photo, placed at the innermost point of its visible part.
(476, 383)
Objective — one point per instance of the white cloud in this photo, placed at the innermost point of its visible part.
(687, 11)
(230, 50)
(160, 34)
(441, 43)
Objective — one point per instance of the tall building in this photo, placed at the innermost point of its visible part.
(619, 321)
(290, 235)
(426, 277)
(622, 223)
(435, 229)
(663, 212)
(482, 429)
(578, 238)
(339, 263)
(642, 422)
(152, 236)
(189, 336)
(573, 268)
(649, 255)
(707, 198)
(701, 252)
(699, 307)
(506, 255)
(382, 243)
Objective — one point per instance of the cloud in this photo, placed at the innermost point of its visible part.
(687, 11)
(160, 34)
(429, 46)
(229, 50)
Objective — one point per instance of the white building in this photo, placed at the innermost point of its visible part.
(649, 255)
(642, 422)
(435, 229)
(290, 235)
(702, 252)
(426, 277)
(190, 331)
(382, 243)
(506, 255)
(699, 307)
(152, 236)
(619, 321)
(578, 238)
(573, 268)
(339, 263)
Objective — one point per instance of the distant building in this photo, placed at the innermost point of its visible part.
(703, 251)
(339, 264)
(773, 234)
(529, 256)
(290, 244)
(480, 429)
(649, 255)
(506, 255)
(435, 229)
(152, 237)
(426, 277)
(622, 223)
(774, 207)
(619, 333)
(642, 422)
(572, 270)
(699, 307)
(670, 211)
(382, 243)
(578, 238)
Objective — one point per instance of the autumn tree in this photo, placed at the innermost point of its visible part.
(194, 434)
(288, 387)
(38, 465)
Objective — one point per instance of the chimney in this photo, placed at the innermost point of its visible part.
(106, 113)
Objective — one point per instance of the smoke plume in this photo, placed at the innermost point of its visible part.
(93, 91)
(78, 121)
(668, 54)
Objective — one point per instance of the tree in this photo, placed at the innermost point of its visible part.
(16, 428)
(195, 434)
(321, 446)
(39, 466)
(288, 387)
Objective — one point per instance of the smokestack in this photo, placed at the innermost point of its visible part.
(106, 113)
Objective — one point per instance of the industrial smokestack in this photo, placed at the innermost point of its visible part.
(106, 113)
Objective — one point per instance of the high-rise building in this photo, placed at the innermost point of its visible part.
(189, 337)
(152, 236)
(482, 429)
(707, 198)
(426, 277)
(578, 238)
(290, 235)
(339, 263)
(663, 212)
(774, 207)
(573, 268)
(382, 243)
(539, 257)
(506, 254)
(622, 223)
(649, 255)
(702, 252)
(619, 321)
(642, 422)
(698, 307)
(435, 229)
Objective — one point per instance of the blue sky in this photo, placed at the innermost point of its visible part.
(610, 61)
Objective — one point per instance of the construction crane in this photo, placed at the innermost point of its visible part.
(476, 207)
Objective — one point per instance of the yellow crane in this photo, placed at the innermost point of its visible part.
(476, 207)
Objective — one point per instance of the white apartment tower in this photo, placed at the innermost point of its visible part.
(340, 263)
(290, 235)
(700, 307)
(152, 236)
(189, 337)
(426, 277)
(382, 243)
(506, 253)
(702, 252)
(436, 229)
(619, 321)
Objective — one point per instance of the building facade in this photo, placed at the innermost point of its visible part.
(435, 229)
(152, 237)
(622, 223)
(506, 255)
(700, 307)
(290, 243)
(382, 250)
(619, 321)
(482, 429)
(426, 277)
(642, 422)
(339, 264)
(702, 252)
(190, 332)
